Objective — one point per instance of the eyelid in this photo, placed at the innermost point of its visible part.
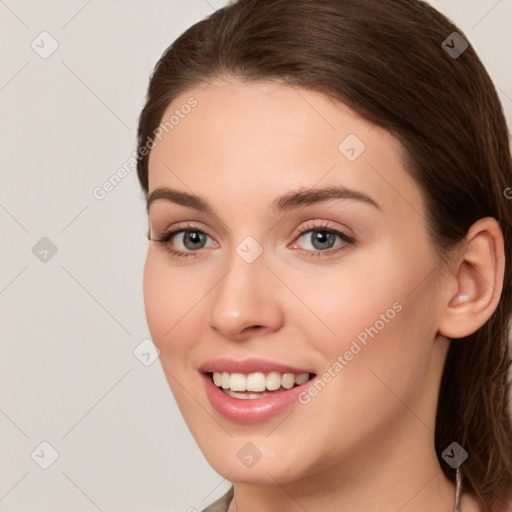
(321, 225)
(159, 213)
(180, 226)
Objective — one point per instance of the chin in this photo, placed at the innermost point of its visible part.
(254, 459)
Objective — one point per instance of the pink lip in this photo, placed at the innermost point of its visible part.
(249, 366)
(250, 411)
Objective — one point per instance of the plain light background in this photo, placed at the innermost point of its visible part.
(71, 320)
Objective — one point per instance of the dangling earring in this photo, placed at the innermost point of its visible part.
(458, 489)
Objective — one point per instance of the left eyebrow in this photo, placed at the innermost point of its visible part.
(286, 202)
(306, 197)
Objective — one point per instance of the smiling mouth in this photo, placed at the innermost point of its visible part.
(258, 384)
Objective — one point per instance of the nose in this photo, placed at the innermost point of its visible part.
(245, 303)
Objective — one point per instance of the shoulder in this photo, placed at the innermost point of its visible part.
(222, 504)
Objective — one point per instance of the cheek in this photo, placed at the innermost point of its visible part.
(396, 281)
(383, 335)
(172, 304)
(341, 301)
(170, 300)
(378, 311)
(157, 297)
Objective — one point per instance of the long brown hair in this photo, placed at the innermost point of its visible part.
(397, 63)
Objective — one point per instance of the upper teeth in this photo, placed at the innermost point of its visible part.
(258, 381)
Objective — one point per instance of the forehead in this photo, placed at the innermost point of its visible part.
(264, 137)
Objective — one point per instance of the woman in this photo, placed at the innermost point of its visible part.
(328, 277)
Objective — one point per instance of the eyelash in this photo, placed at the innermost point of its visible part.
(166, 237)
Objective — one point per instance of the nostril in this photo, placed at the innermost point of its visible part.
(255, 327)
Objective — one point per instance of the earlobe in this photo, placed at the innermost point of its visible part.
(478, 274)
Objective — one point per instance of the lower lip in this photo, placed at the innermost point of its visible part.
(251, 410)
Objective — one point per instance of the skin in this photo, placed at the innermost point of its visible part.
(366, 441)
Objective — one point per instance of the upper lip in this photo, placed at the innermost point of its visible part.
(251, 365)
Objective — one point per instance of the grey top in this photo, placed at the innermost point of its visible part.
(222, 504)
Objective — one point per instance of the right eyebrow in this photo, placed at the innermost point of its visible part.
(178, 197)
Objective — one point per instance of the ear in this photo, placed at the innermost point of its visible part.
(474, 281)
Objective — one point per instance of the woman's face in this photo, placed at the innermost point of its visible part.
(311, 256)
